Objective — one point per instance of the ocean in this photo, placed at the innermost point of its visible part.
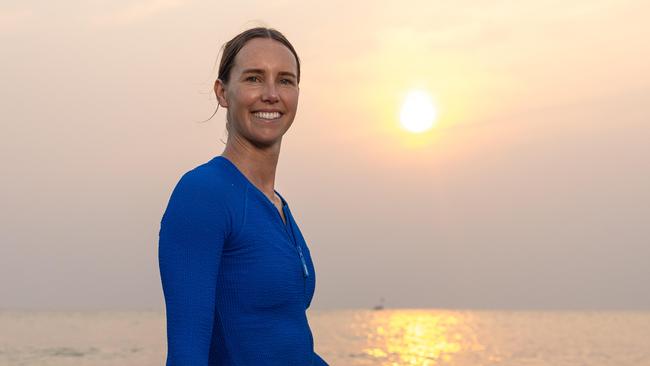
(389, 337)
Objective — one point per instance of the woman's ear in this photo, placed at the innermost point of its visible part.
(220, 92)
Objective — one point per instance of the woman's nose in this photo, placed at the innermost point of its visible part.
(270, 93)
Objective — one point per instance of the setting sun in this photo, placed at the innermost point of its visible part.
(418, 113)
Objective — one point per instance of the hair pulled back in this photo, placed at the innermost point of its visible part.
(232, 48)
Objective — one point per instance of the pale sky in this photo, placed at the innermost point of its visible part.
(531, 192)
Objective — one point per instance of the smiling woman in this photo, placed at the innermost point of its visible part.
(237, 274)
(260, 92)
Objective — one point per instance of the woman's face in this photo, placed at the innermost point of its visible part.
(262, 93)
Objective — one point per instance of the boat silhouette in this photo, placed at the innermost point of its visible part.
(379, 306)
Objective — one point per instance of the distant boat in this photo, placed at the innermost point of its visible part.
(379, 306)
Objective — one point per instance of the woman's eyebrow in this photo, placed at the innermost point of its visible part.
(253, 71)
(260, 71)
(287, 73)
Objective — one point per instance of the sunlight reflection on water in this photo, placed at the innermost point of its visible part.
(409, 337)
(416, 337)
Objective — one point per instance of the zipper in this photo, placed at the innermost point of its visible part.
(302, 258)
(292, 238)
(305, 271)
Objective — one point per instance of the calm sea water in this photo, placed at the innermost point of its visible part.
(350, 338)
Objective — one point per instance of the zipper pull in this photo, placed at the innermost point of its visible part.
(304, 265)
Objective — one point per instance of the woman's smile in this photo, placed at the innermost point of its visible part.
(267, 116)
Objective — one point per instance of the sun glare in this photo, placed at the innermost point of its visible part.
(418, 113)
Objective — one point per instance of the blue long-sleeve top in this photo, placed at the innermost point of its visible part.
(237, 280)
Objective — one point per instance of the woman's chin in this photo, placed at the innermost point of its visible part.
(266, 140)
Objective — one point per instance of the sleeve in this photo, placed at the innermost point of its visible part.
(191, 238)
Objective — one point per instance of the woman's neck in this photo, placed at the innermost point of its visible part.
(258, 165)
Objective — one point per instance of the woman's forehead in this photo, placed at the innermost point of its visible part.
(263, 53)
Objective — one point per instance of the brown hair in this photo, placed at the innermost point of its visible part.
(231, 48)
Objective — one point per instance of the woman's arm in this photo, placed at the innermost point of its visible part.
(192, 233)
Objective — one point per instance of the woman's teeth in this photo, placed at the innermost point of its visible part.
(267, 115)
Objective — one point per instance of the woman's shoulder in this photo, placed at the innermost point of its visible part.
(212, 179)
(205, 197)
(205, 192)
(213, 174)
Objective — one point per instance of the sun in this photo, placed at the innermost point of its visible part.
(418, 112)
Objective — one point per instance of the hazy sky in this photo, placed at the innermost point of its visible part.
(531, 192)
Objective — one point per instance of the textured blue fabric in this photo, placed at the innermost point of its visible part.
(237, 280)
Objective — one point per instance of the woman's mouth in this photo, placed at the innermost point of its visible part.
(269, 116)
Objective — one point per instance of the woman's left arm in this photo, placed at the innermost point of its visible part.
(192, 234)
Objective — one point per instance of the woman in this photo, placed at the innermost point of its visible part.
(236, 272)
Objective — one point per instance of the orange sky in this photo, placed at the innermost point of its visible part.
(530, 192)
